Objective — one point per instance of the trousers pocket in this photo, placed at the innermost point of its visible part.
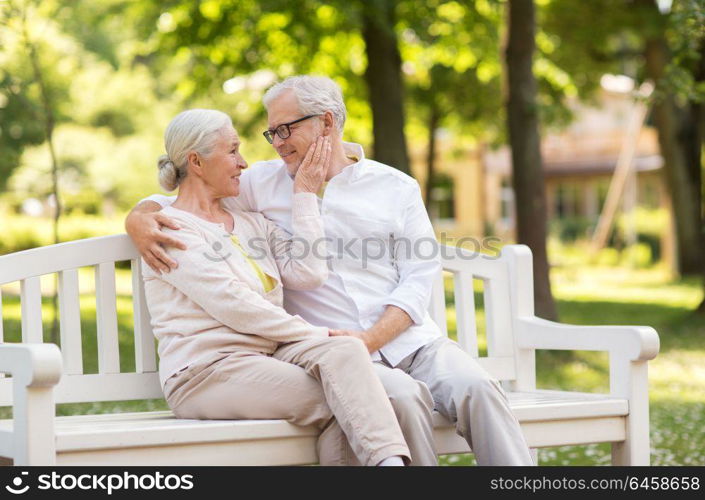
(186, 375)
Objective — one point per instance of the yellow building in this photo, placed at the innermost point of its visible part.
(473, 194)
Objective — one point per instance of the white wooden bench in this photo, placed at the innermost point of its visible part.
(42, 375)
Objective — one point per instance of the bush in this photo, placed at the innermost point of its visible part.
(21, 232)
(570, 229)
(608, 257)
(637, 256)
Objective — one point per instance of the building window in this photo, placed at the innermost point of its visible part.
(442, 203)
(506, 196)
(568, 200)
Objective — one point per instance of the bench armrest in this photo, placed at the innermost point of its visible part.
(35, 370)
(636, 343)
(31, 365)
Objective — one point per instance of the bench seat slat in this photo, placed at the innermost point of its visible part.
(160, 428)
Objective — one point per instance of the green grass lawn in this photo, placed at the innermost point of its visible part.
(585, 296)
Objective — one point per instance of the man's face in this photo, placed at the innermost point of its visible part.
(292, 150)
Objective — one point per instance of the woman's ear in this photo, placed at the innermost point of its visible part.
(194, 163)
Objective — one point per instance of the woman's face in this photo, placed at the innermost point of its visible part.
(222, 168)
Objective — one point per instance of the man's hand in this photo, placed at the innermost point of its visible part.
(144, 226)
(312, 172)
(364, 336)
(393, 322)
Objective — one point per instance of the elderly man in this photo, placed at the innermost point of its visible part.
(379, 236)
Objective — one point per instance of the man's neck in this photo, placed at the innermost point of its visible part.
(339, 161)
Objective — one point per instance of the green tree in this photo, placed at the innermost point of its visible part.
(30, 88)
(453, 72)
(353, 42)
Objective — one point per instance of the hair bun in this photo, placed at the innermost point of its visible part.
(168, 174)
(164, 162)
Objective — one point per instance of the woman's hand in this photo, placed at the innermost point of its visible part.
(313, 169)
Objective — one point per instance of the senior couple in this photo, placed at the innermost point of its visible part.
(266, 305)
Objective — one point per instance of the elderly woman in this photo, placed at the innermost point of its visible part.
(228, 350)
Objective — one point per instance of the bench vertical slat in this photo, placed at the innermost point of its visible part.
(70, 322)
(145, 356)
(498, 315)
(521, 288)
(465, 312)
(437, 306)
(2, 334)
(106, 316)
(31, 298)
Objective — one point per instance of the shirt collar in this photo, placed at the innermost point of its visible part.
(355, 170)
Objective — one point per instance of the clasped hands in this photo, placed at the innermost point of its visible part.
(366, 336)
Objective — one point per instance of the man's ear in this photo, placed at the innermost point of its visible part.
(328, 123)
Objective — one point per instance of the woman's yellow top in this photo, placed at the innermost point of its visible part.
(267, 281)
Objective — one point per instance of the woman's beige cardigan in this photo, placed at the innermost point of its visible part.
(214, 302)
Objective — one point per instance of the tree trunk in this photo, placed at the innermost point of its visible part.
(49, 123)
(699, 119)
(433, 121)
(527, 171)
(384, 84)
(677, 135)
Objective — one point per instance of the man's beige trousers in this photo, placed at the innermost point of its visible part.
(441, 375)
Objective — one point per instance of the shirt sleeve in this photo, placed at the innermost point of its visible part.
(211, 284)
(417, 260)
(161, 199)
(302, 257)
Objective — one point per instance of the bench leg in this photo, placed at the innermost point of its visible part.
(630, 379)
(33, 421)
(635, 450)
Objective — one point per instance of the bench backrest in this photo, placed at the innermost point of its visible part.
(466, 269)
(109, 384)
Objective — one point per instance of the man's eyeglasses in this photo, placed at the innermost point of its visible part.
(283, 130)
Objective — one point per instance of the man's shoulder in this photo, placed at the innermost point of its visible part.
(387, 174)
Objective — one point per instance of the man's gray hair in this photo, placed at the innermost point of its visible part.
(315, 95)
(191, 130)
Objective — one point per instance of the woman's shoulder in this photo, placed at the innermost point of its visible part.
(254, 219)
(185, 220)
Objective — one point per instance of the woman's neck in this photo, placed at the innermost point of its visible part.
(197, 199)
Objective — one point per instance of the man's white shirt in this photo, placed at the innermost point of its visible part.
(380, 243)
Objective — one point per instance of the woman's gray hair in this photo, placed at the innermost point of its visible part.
(315, 95)
(193, 130)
